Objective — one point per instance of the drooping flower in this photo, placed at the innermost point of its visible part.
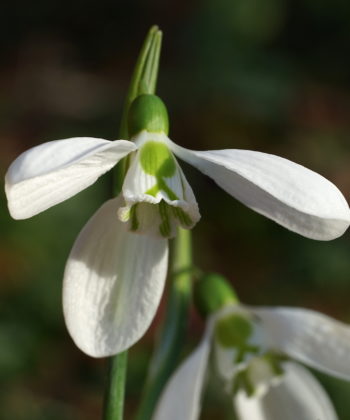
(113, 279)
(156, 193)
(255, 352)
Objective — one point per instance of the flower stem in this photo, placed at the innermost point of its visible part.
(173, 330)
(114, 397)
(144, 80)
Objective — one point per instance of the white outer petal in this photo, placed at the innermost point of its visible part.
(224, 361)
(295, 197)
(181, 397)
(55, 171)
(224, 357)
(298, 397)
(308, 336)
(113, 283)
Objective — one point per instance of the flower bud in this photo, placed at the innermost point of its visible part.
(211, 293)
(148, 112)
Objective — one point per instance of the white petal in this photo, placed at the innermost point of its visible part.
(290, 194)
(55, 171)
(225, 357)
(181, 397)
(249, 408)
(224, 361)
(310, 337)
(113, 283)
(298, 397)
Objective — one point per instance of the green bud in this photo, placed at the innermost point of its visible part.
(211, 293)
(148, 112)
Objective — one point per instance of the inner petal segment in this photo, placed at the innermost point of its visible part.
(157, 195)
(242, 360)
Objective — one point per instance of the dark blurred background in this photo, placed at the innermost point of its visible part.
(267, 75)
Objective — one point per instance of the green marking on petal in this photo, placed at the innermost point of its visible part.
(170, 193)
(242, 352)
(165, 226)
(156, 159)
(182, 216)
(275, 360)
(242, 381)
(153, 191)
(260, 372)
(134, 225)
(162, 186)
(233, 331)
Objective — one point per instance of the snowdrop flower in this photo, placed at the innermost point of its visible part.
(251, 351)
(156, 193)
(114, 279)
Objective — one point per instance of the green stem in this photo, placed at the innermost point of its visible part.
(171, 338)
(115, 391)
(147, 64)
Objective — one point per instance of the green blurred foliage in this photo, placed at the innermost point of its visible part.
(268, 75)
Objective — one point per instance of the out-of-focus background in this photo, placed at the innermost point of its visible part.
(267, 75)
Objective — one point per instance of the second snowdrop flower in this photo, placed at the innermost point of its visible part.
(255, 352)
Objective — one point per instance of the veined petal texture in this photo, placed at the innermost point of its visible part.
(181, 397)
(55, 171)
(299, 396)
(113, 283)
(293, 196)
(308, 336)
